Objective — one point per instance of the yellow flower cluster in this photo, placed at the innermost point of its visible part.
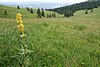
(20, 24)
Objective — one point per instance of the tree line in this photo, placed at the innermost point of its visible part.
(40, 12)
(70, 10)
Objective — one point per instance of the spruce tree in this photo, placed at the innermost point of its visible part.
(5, 12)
(65, 14)
(47, 16)
(43, 12)
(91, 10)
(71, 13)
(39, 13)
(54, 15)
(18, 7)
(31, 10)
(86, 12)
(50, 15)
(28, 9)
(68, 14)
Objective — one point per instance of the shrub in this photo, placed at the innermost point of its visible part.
(5, 12)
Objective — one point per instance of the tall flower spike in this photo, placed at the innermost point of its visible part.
(20, 24)
(21, 27)
(19, 21)
(19, 17)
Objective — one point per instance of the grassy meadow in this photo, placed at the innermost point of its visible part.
(55, 42)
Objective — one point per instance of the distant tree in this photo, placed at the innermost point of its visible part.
(31, 10)
(65, 14)
(18, 7)
(86, 12)
(71, 13)
(42, 9)
(53, 15)
(77, 6)
(5, 12)
(68, 13)
(27, 8)
(46, 9)
(39, 13)
(91, 10)
(95, 6)
(92, 0)
(43, 12)
(50, 15)
(47, 16)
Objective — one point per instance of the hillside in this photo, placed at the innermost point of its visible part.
(11, 12)
(93, 0)
(55, 42)
(95, 15)
(78, 6)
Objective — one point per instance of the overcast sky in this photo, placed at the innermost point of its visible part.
(59, 1)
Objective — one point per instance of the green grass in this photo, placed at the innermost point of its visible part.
(55, 42)
(90, 15)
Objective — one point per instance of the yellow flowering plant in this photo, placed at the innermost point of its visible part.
(20, 24)
(24, 52)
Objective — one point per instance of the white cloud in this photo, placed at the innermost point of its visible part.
(72, 1)
(59, 1)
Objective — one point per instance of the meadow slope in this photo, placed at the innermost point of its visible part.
(55, 42)
(11, 12)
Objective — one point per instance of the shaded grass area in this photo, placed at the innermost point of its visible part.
(54, 42)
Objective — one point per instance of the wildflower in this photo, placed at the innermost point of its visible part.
(21, 27)
(18, 16)
(24, 52)
(20, 24)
